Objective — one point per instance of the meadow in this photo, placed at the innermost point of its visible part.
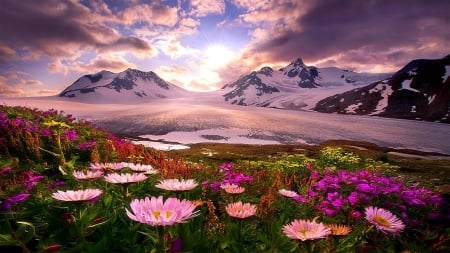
(69, 186)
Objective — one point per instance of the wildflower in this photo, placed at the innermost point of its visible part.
(305, 230)
(80, 195)
(232, 188)
(144, 168)
(9, 202)
(106, 166)
(288, 193)
(81, 175)
(355, 214)
(69, 134)
(337, 229)
(5, 171)
(177, 185)
(240, 210)
(155, 212)
(300, 199)
(55, 184)
(383, 220)
(125, 178)
(31, 178)
(87, 145)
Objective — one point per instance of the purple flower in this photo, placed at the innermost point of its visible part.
(353, 198)
(70, 135)
(7, 203)
(176, 245)
(365, 187)
(5, 170)
(31, 178)
(300, 199)
(46, 132)
(55, 184)
(87, 145)
(355, 214)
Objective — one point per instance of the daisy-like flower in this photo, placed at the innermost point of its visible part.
(383, 220)
(232, 188)
(177, 185)
(124, 178)
(155, 212)
(80, 195)
(144, 168)
(337, 229)
(288, 193)
(240, 210)
(106, 166)
(305, 230)
(81, 175)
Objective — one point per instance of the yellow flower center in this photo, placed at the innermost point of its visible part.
(168, 214)
(156, 214)
(381, 221)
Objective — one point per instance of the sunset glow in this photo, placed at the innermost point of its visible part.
(202, 45)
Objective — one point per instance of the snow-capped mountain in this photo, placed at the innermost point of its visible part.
(129, 86)
(420, 90)
(295, 86)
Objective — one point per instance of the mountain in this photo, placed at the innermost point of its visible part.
(129, 86)
(296, 86)
(420, 90)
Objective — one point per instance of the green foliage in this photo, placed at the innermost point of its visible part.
(338, 158)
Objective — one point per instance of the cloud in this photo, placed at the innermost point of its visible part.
(359, 32)
(155, 13)
(202, 8)
(6, 54)
(15, 83)
(113, 62)
(63, 29)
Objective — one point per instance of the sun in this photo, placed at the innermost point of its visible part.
(217, 56)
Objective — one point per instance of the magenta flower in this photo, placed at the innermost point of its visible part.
(69, 134)
(125, 178)
(79, 195)
(383, 220)
(87, 145)
(240, 210)
(9, 202)
(155, 212)
(81, 175)
(5, 171)
(306, 230)
(31, 178)
(177, 185)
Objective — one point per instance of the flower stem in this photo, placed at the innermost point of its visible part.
(160, 247)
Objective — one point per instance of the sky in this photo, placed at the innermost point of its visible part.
(201, 45)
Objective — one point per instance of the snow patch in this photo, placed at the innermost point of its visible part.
(406, 85)
(385, 91)
(352, 108)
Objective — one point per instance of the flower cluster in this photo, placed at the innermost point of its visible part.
(351, 191)
(229, 177)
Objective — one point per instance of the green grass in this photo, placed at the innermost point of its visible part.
(433, 174)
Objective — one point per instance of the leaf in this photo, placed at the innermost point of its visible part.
(7, 240)
(26, 231)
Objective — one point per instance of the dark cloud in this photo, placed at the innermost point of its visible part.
(333, 27)
(58, 29)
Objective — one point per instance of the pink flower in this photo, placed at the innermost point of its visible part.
(240, 210)
(81, 175)
(177, 185)
(155, 212)
(288, 193)
(80, 195)
(383, 220)
(124, 178)
(106, 166)
(232, 188)
(306, 230)
(144, 168)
